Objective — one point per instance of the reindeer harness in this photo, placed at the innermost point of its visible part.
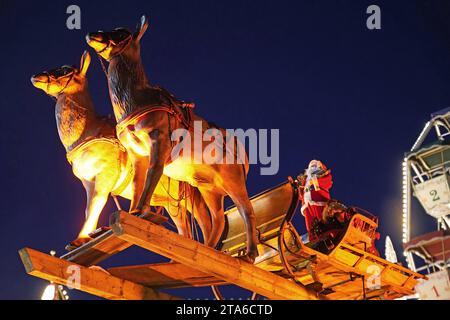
(182, 111)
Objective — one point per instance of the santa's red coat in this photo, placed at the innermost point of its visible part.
(313, 209)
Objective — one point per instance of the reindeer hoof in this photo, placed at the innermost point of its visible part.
(247, 258)
(77, 243)
(141, 211)
(250, 256)
(135, 212)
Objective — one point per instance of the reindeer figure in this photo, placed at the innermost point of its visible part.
(146, 118)
(100, 161)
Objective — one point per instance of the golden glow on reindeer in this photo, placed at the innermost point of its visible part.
(100, 161)
(147, 116)
(138, 142)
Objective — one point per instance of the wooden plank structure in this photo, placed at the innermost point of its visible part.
(151, 236)
(105, 245)
(192, 253)
(90, 280)
(97, 250)
(286, 268)
(166, 275)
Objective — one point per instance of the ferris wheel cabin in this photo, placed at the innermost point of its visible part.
(426, 170)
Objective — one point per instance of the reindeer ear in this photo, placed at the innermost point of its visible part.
(141, 28)
(85, 62)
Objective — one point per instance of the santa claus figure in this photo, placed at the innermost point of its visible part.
(315, 187)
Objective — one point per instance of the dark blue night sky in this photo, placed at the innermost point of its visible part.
(354, 98)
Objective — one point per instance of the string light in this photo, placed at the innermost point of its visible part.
(405, 201)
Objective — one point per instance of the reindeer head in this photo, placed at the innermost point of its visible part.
(112, 43)
(66, 79)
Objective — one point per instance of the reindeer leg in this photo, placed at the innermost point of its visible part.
(96, 201)
(180, 219)
(245, 208)
(140, 164)
(159, 152)
(214, 201)
(198, 208)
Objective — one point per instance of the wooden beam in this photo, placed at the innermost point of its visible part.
(196, 255)
(97, 250)
(105, 245)
(165, 275)
(93, 281)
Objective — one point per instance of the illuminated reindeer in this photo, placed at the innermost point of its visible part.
(147, 116)
(100, 161)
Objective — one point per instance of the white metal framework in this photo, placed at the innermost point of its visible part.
(426, 171)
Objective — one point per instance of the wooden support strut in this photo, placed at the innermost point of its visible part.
(105, 245)
(198, 256)
(165, 275)
(92, 281)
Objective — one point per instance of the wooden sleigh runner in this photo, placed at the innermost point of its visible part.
(287, 268)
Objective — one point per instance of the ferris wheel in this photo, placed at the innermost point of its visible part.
(426, 169)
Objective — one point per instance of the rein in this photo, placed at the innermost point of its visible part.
(102, 63)
(181, 196)
(126, 45)
(76, 104)
(61, 91)
(121, 50)
(170, 110)
(118, 54)
(65, 86)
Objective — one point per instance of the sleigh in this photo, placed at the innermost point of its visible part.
(289, 267)
(338, 271)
